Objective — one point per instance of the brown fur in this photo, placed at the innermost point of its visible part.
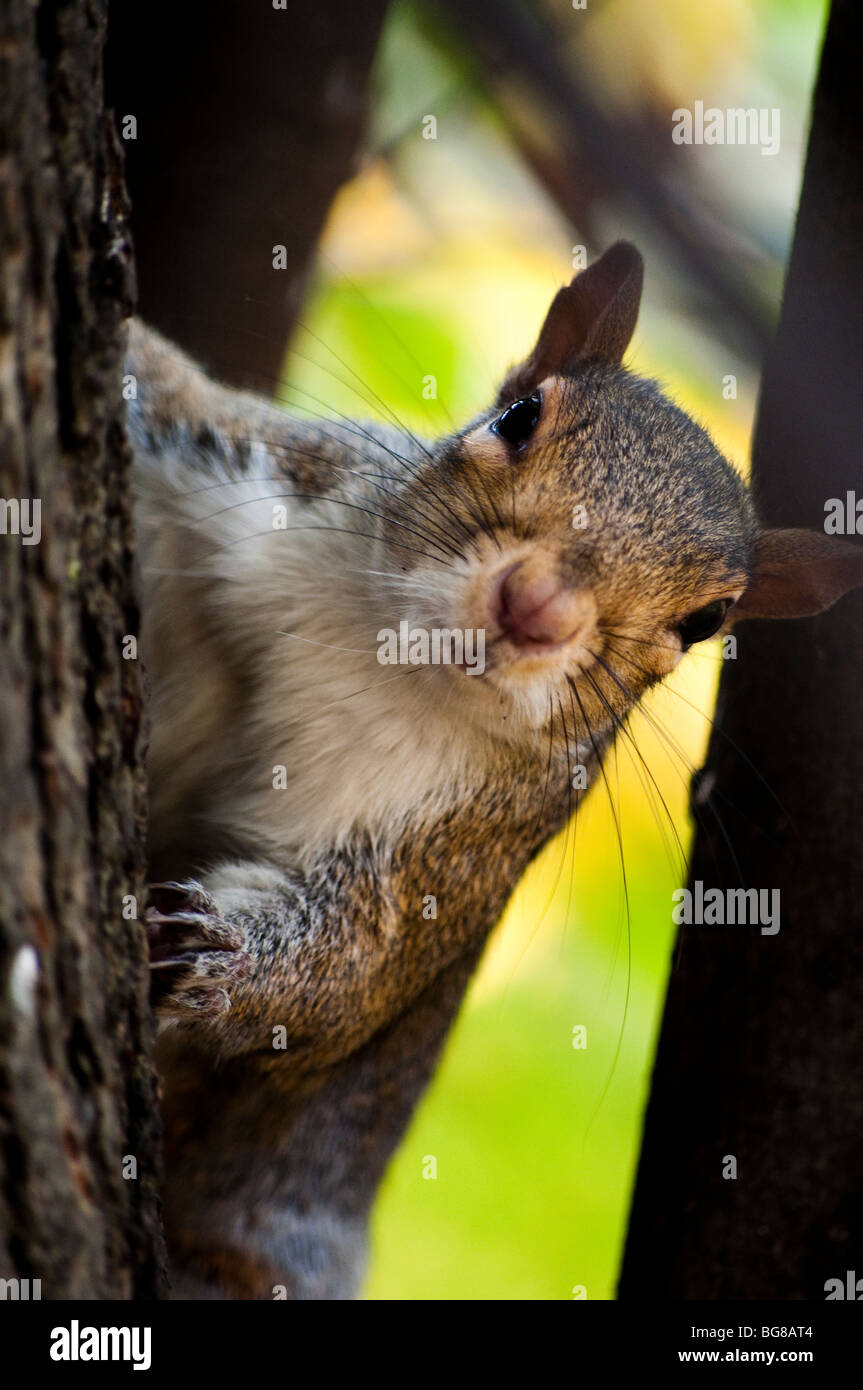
(315, 926)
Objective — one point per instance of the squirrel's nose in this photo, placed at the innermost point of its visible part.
(535, 608)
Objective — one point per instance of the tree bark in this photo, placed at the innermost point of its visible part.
(248, 119)
(760, 1050)
(77, 1090)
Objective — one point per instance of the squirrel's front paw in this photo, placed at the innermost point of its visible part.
(196, 955)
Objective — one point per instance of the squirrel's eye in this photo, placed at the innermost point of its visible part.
(704, 622)
(518, 421)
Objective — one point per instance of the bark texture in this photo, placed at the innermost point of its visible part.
(77, 1091)
(248, 120)
(760, 1050)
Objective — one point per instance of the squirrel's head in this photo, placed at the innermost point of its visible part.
(586, 532)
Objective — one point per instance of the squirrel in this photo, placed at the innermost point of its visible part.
(308, 803)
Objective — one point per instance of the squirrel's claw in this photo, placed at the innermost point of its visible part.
(196, 955)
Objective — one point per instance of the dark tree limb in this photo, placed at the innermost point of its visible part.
(248, 120)
(761, 1045)
(77, 1091)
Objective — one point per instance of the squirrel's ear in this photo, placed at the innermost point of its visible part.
(799, 573)
(594, 316)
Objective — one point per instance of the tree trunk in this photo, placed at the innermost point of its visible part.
(761, 1045)
(248, 120)
(78, 1116)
